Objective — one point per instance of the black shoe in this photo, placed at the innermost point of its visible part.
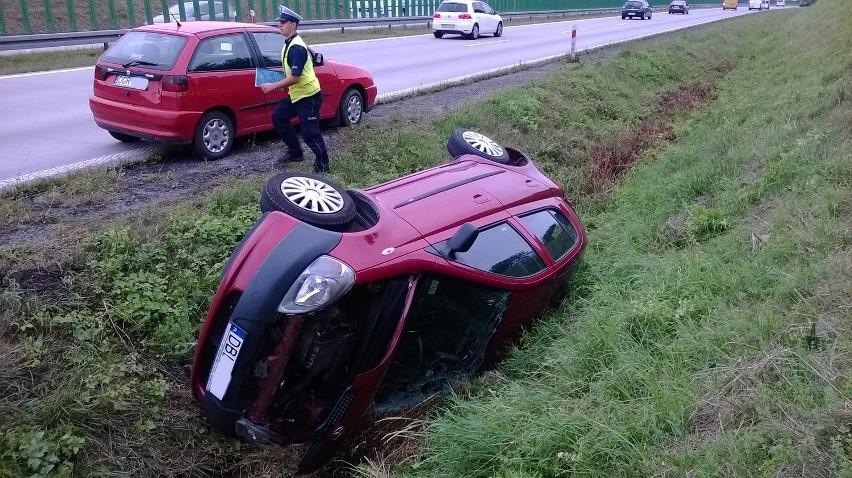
(291, 158)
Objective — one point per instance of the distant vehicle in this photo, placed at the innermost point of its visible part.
(680, 6)
(203, 13)
(758, 4)
(340, 300)
(636, 8)
(195, 84)
(780, 3)
(466, 17)
(726, 4)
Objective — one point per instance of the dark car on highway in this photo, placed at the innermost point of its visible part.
(195, 83)
(636, 9)
(678, 6)
(340, 300)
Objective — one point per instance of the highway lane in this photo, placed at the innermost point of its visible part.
(47, 127)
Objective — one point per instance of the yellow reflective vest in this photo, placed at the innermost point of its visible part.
(308, 84)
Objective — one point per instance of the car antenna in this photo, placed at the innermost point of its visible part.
(176, 20)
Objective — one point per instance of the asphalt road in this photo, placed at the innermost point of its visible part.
(48, 129)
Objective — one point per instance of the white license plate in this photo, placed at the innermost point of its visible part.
(223, 364)
(444, 25)
(134, 82)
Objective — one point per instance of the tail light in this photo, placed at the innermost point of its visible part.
(465, 16)
(100, 72)
(178, 83)
(437, 15)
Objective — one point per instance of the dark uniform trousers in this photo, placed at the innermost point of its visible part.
(307, 109)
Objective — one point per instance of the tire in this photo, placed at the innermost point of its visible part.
(649, 16)
(474, 32)
(624, 17)
(351, 108)
(214, 136)
(310, 198)
(124, 138)
(438, 34)
(466, 141)
(499, 31)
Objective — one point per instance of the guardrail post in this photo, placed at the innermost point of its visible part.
(131, 14)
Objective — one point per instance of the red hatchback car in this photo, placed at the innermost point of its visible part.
(194, 82)
(339, 300)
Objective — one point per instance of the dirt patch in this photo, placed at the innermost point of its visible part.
(613, 155)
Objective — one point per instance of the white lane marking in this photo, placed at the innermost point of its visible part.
(485, 43)
(36, 73)
(125, 157)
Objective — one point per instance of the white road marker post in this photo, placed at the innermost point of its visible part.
(574, 42)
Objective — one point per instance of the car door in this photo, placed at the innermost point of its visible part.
(223, 67)
(485, 21)
(269, 45)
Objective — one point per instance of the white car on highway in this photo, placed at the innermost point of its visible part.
(466, 17)
(758, 4)
(780, 3)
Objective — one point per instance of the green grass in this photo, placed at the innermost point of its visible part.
(706, 333)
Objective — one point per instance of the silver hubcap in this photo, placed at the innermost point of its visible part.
(353, 109)
(482, 143)
(312, 195)
(216, 135)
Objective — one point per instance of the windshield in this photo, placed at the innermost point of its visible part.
(452, 7)
(158, 51)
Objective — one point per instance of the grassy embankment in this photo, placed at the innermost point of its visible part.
(707, 334)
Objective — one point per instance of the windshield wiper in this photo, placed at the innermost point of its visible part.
(139, 62)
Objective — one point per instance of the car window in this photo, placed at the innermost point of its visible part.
(488, 9)
(160, 51)
(633, 5)
(270, 45)
(452, 7)
(501, 250)
(553, 229)
(226, 52)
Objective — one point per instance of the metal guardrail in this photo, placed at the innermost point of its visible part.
(48, 40)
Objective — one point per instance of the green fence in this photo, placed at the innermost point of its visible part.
(21, 17)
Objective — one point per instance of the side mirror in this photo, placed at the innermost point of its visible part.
(461, 240)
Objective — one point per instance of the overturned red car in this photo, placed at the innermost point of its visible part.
(338, 300)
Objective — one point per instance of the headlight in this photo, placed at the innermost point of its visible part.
(323, 282)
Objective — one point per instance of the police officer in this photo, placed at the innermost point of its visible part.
(304, 99)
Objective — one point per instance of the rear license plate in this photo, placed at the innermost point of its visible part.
(223, 364)
(134, 82)
(444, 25)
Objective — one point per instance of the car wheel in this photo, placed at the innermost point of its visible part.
(310, 198)
(351, 108)
(438, 34)
(649, 15)
(499, 31)
(213, 136)
(124, 138)
(474, 32)
(623, 17)
(465, 141)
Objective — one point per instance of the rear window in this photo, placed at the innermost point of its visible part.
(633, 5)
(158, 51)
(452, 7)
(554, 230)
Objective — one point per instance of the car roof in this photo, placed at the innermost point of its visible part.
(470, 187)
(194, 28)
